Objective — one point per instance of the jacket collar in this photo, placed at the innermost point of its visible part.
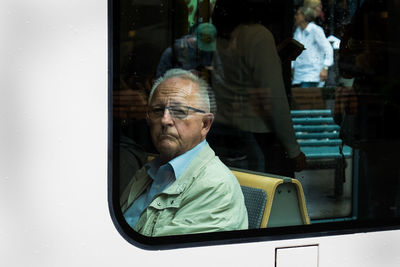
(142, 180)
(192, 171)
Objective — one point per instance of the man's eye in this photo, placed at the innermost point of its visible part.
(158, 111)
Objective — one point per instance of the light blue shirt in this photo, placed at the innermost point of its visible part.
(317, 54)
(163, 176)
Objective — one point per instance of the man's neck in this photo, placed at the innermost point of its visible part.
(166, 157)
(303, 25)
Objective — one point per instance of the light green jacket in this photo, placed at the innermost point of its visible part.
(206, 198)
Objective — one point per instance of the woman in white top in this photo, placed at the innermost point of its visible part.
(311, 68)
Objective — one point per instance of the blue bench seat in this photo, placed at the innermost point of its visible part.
(319, 139)
(326, 152)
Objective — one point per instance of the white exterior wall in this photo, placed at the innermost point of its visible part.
(53, 155)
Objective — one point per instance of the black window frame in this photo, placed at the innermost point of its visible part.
(344, 227)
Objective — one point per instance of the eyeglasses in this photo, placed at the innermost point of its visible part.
(177, 112)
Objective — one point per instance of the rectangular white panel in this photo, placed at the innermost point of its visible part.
(304, 256)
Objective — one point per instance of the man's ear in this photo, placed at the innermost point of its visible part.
(208, 119)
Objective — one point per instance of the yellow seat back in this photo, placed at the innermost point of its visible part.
(285, 203)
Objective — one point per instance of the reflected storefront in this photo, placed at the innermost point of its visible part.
(344, 125)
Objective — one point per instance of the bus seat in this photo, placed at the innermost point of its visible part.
(255, 200)
(272, 200)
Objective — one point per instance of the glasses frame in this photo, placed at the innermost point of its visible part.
(150, 111)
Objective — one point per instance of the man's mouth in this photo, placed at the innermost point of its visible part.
(166, 136)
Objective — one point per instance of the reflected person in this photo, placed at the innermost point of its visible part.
(310, 69)
(186, 189)
(192, 52)
(253, 122)
(367, 54)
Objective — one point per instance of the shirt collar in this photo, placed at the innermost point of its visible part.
(308, 27)
(178, 164)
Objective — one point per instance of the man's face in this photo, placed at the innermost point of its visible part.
(173, 136)
(299, 17)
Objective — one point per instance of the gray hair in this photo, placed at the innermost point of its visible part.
(205, 94)
(308, 12)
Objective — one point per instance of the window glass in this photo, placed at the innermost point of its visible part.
(298, 90)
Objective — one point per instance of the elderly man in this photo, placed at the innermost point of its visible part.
(186, 189)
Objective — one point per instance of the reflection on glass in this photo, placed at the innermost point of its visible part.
(192, 52)
(302, 90)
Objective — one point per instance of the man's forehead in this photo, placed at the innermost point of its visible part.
(176, 88)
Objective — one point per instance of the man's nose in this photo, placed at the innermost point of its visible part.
(167, 117)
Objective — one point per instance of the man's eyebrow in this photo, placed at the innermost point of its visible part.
(176, 103)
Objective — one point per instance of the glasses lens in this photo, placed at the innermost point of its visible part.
(178, 112)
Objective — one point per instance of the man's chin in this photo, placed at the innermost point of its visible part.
(166, 155)
(166, 146)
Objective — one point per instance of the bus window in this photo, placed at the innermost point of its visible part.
(304, 96)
